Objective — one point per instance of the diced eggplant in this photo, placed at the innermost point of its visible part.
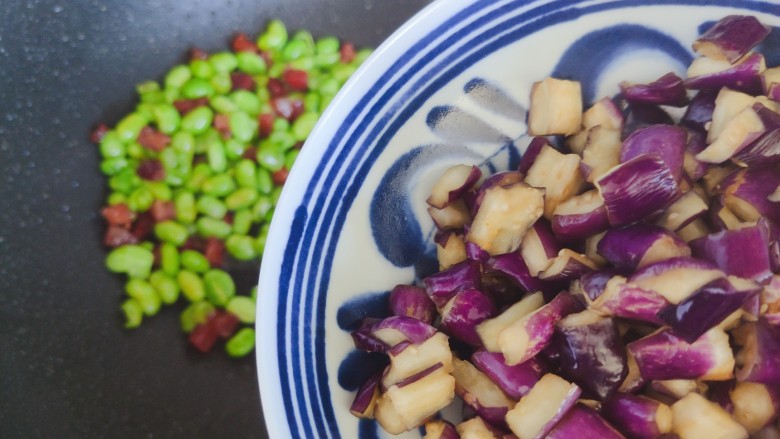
(739, 132)
(558, 174)
(699, 111)
(592, 354)
(490, 329)
(643, 115)
(763, 150)
(770, 82)
(451, 217)
(742, 252)
(677, 389)
(480, 393)
(580, 216)
(640, 244)
(408, 404)
(556, 107)
(625, 300)
(504, 215)
(583, 422)
(722, 218)
(664, 356)
(603, 113)
(539, 247)
(576, 143)
(666, 90)
(411, 359)
(386, 333)
(450, 249)
(477, 428)
(634, 381)
(637, 189)
(770, 300)
(527, 336)
(475, 253)
(756, 405)
(746, 193)
(711, 74)
(499, 179)
(412, 301)
(366, 398)
(728, 104)
(715, 175)
(531, 153)
(538, 411)
(440, 429)
(594, 283)
(677, 278)
(461, 315)
(513, 267)
(731, 37)
(683, 211)
(568, 265)
(516, 381)
(693, 417)
(452, 184)
(443, 285)
(601, 153)
(591, 249)
(706, 308)
(637, 416)
(759, 357)
(667, 141)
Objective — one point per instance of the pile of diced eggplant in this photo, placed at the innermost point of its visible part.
(624, 282)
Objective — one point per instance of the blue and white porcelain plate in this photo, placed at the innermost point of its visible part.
(451, 86)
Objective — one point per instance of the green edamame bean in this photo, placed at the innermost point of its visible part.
(311, 102)
(167, 118)
(251, 63)
(242, 126)
(361, 56)
(342, 72)
(303, 125)
(171, 232)
(111, 146)
(165, 286)
(211, 206)
(219, 287)
(328, 44)
(218, 185)
(241, 344)
(216, 157)
(294, 50)
(116, 198)
(197, 88)
(171, 94)
(194, 261)
(114, 165)
(191, 285)
(306, 63)
(246, 101)
(133, 312)
(147, 87)
(221, 83)
(241, 247)
(198, 120)
(211, 227)
(277, 69)
(270, 156)
(261, 239)
(242, 221)
(133, 260)
(177, 76)
(265, 182)
(159, 190)
(169, 259)
(201, 69)
(325, 60)
(275, 194)
(184, 204)
(183, 143)
(234, 149)
(200, 173)
(329, 86)
(246, 173)
(274, 37)
(282, 140)
(128, 128)
(136, 151)
(261, 208)
(143, 292)
(223, 104)
(253, 293)
(195, 314)
(124, 181)
(242, 307)
(241, 198)
(223, 62)
(280, 124)
(290, 157)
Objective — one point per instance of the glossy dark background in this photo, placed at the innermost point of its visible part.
(67, 368)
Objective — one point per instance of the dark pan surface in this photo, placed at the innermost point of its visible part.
(67, 368)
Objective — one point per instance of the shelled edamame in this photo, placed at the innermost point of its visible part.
(194, 173)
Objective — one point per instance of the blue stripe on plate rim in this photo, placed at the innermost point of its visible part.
(482, 27)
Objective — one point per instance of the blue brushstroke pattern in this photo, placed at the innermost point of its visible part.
(358, 367)
(351, 312)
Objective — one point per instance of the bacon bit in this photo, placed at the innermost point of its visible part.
(223, 323)
(287, 108)
(97, 134)
(118, 215)
(215, 251)
(250, 153)
(194, 243)
(280, 176)
(347, 51)
(297, 80)
(152, 139)
(186, 105)
(163, 210)
(196, 53)
(222, 124)
(117, 236)
(242, 43)
(242, 81)
(228, 218)
(266, 124)
(151, 170)
(276, 88)
(143, 226)
(203, 337)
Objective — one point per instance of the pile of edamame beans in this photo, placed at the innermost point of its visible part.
(194, 173)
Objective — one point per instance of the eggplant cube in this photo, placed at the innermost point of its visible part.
(476, 428)
(558, 174)
(450, 250)
(675, 279)
(516, 381)
(408, 404)
(755, 405)
(440, 429)
(580, 216)
(731, 37)
(601, 153)
(638, 416)
(490, 329)
(583, 422)
(603, 113)
(538, 411)
(452, 184)
(770, 80)
(741, 130)
(413, 359)
(480, 393)
(556, 107)
(694, 418)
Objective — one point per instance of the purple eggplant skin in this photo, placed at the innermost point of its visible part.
(769, 117)
(742, 252)
(626, 247)
(637, 189)
(476, 253)
(574, 227)
(637, 416)
(440, 429)
(592, 355)
(699, 111)
(530, 154)
(504, 178)
(745, 192)
(697, 142)
(547, 238)
(765, 148)
(594, 283)
(513, 267)
(382, 335)
(638, 116)
(760, 354)
(582, 422)
(705, 308)
(366, 396)
(663, 355)
(628, 301)
(731, 38)
(744, 77)
(516, 381)
(667, 141)
(567, 266)
(666, 90)
(461, 315)
(412, 301)
(442, 286)
(719, 392)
